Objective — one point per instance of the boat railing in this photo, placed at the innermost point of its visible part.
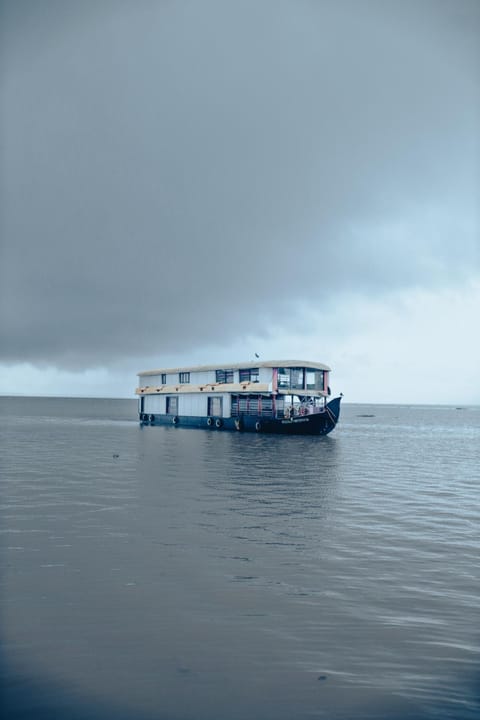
(300, 410)
(266, 408)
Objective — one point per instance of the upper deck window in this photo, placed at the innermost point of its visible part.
(315, 379)
(297, 381)
(224, 376)
(184, 377)
(292, 378)
(249, 375)
(164, 379)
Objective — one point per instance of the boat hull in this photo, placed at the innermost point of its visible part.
(320, 423)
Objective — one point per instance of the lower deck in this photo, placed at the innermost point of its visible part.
(304, 416)
(223, 406)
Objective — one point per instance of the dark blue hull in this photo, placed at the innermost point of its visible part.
(320, 423)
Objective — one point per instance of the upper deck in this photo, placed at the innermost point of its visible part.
(239, 366)
(273, 376)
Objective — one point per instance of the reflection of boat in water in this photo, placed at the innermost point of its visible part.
(281, 396)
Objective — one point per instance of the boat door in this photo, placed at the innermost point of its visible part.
(215, 406)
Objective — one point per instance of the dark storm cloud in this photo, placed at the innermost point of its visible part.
(177, 173)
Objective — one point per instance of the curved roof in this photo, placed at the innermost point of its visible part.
(239, 366)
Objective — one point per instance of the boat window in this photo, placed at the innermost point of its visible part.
(253, 405)
(224, 376)
(164, 379)
(215, 406)
(315, 379)
(250, 405)
(297, 378)
(184, 377)
(280, 405)
(249, 375)
(267, 406)
(172, 405)
(242, 404)
(291, 378)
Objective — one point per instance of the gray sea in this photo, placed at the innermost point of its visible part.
(161, 573)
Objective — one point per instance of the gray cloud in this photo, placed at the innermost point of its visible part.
(175, 173)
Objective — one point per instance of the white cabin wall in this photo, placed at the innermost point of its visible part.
(189, 404)
(154, 404)
(202, 378)
(196, 404)
(196, 378)
(227, 404)
(149, 381)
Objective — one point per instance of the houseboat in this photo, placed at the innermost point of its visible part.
(290, 397)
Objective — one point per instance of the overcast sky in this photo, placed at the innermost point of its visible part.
(189, 181)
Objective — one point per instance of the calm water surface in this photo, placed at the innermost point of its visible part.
(173, 574)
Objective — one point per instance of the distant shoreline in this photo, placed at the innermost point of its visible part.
(460, 406)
